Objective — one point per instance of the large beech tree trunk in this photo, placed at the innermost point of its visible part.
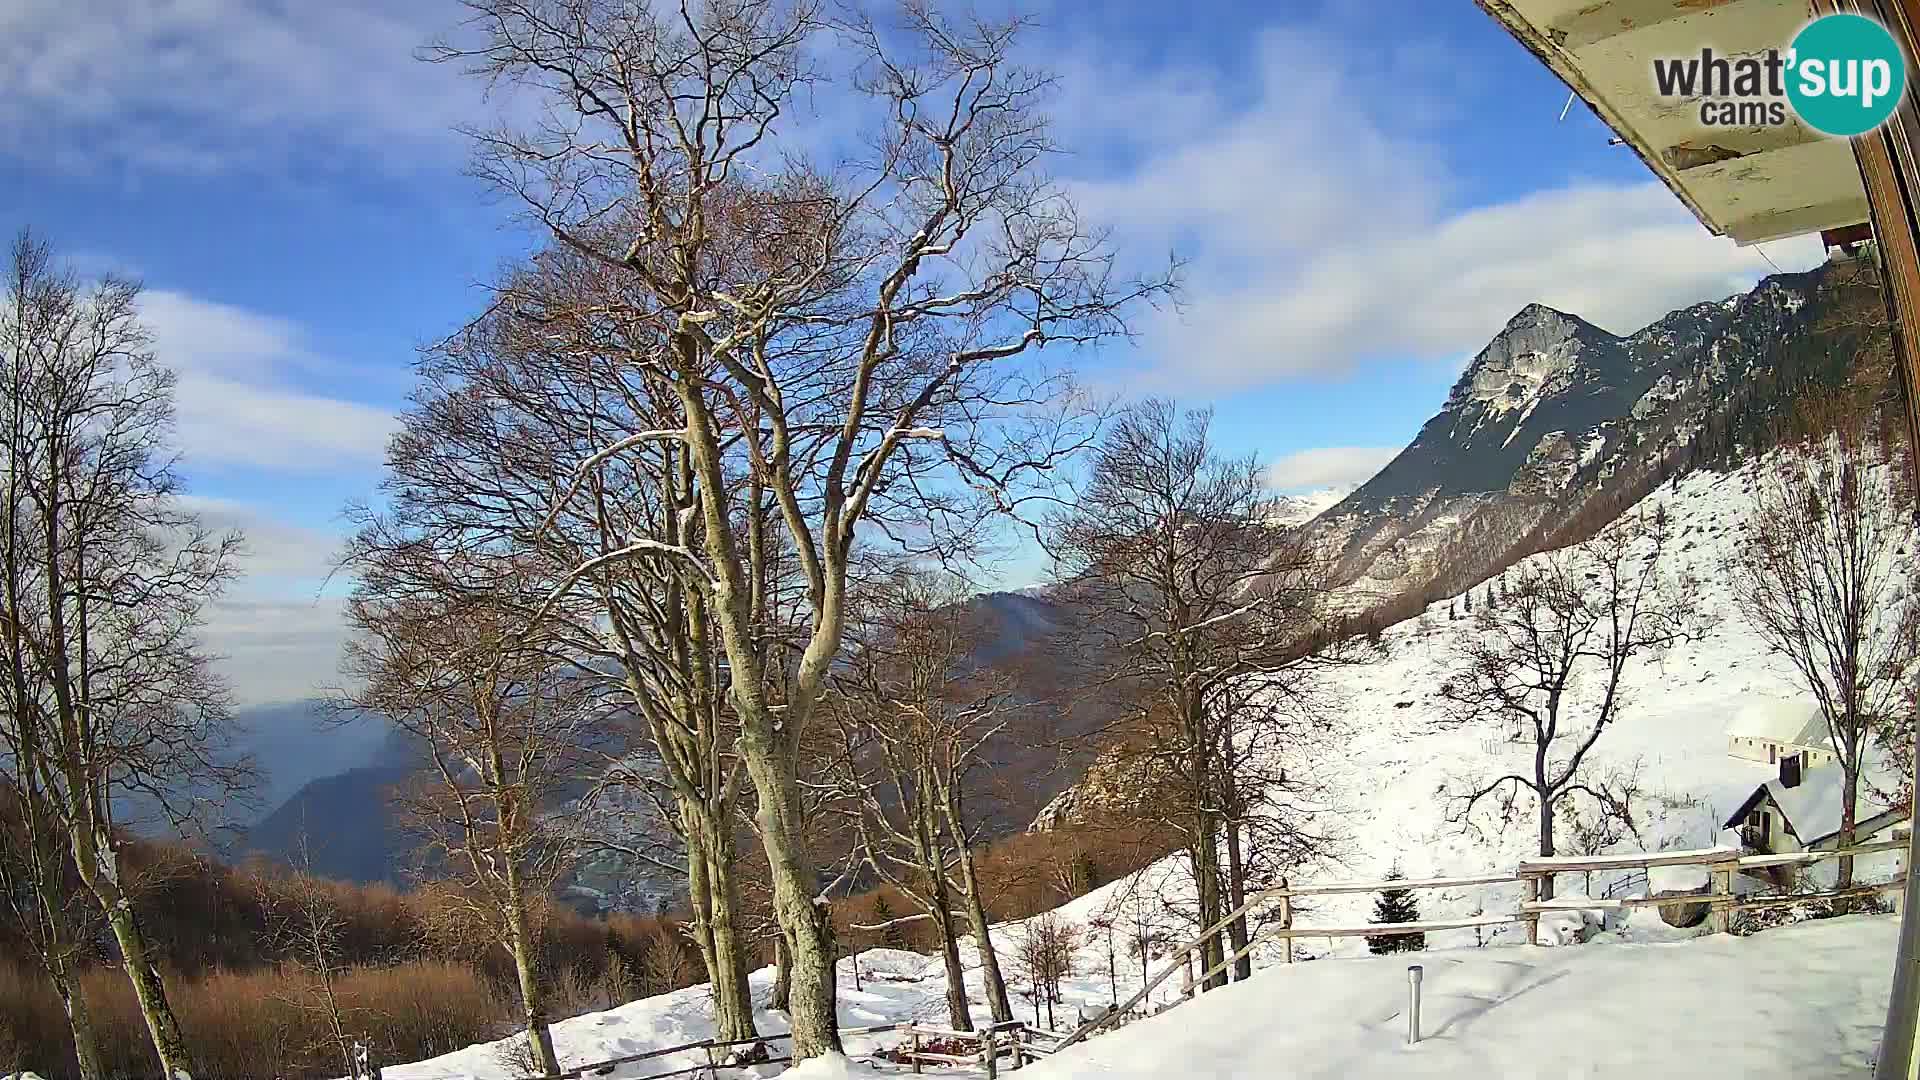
(714, 894)
(99, 870)
(533, 1002)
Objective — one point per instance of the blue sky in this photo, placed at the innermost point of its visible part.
(1365, 192)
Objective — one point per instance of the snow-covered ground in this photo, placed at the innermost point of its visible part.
(1640, 1000)
(1800, 1001)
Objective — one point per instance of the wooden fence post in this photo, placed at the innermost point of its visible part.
(1532, 895)
(988, 1052)
(1720, 912)
(1015, 1032)
(1186, 975)
(1286, 920)
(916, 1053)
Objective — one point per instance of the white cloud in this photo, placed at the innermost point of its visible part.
(209, 85)
(1328, 466)
(277, 650)
(1323, 235)
(279, 629)
(275, 547)
(240, 399)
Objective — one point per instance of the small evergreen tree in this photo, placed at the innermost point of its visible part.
(1085, 874)
(1451, 614)
(890, 933)
(1466, 599)
(1396, 906)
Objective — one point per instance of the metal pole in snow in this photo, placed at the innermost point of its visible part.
(1414, 972)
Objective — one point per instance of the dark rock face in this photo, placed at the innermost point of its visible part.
(1557, 418)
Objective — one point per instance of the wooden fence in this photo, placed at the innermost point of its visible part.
(1534, 875)
(1020, 1042)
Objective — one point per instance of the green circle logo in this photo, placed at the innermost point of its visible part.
(1845, 74)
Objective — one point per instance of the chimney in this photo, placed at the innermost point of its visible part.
(1790, 770)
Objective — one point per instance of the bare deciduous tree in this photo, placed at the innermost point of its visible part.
(1551, 659)
(541, 380)
(917, 712)
(843, 336)
(1043, 960)
(1207, 607)
(304, 922)
(1823, 574)
(504, 728)
(109, 698)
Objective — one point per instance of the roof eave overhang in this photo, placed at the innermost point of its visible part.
(1753, 184)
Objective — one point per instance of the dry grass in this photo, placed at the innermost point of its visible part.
(256, 1024)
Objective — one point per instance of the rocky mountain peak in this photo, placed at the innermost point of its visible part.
(1556, 414)
(1533, 354)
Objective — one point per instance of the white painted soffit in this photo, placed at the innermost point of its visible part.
(1750, 183)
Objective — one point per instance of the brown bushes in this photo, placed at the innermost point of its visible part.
(255, 1024)
(1022, 876)
(413, 988)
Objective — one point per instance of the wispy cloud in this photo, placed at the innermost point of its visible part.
(1323, 233)
(215, 85)
(278, 649)
(244, 395)
(1328, 466)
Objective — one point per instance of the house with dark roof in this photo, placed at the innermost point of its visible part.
(1799, 810)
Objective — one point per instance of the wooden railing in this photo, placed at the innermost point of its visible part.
(1021, 1042)
(1534, 875)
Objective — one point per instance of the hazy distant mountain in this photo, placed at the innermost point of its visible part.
(301, 741)
(346, 822)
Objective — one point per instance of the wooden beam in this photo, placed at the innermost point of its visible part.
(1598, 22)
(1638, 860)
(1336, 887)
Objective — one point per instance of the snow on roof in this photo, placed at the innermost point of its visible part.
(1794, 721)
(1813, 805)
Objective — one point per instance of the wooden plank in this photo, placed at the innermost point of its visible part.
(1395, 929)
(1803, 858)
(1634, 860)
(1612, 903)
(948, 1059)
(1337, 887)
(579, 1071)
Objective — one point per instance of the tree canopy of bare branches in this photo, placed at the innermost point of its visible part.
(846, 335)
(103, 576)
(1549, 661)
(917, 713)
(1823, 574)
(1205, 605)
(505, 729)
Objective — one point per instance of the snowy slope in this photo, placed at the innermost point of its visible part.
(1393, 759)
(1799, 1001)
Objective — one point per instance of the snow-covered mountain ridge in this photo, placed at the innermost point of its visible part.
(1557, 418)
